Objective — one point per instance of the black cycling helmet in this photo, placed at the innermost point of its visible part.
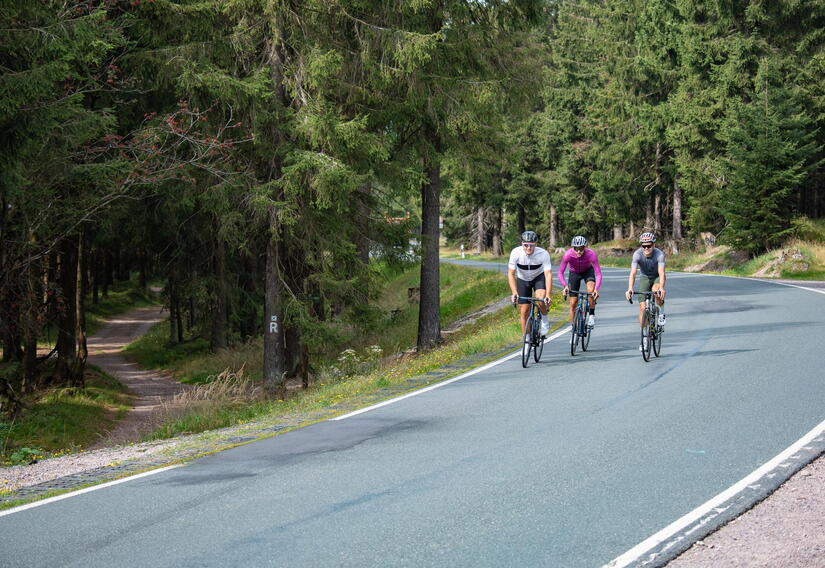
(529, 237)
(647, 238)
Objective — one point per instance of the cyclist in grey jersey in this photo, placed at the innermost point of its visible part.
(529, 271)
(651, 262)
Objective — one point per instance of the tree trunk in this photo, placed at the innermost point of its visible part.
(273, 315)
(219, 308)
(96, 277)
(554, 227)
(429, 317)
(78, 378)
(677, 210)
(67, 314)
(657, 213)
(648, 213)
(142, 277)
(479, 230)
(522, 219)
(497, 249)
(617, 232)
(174, 309)
(108, 272)
(274, 341)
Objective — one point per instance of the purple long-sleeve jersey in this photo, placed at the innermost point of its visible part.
(580, 264)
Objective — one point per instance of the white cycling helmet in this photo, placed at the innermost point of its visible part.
(578, 241)
(647, 238)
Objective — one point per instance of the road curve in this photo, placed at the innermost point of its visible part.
(571, 462)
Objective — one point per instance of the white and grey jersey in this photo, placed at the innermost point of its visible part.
(528, 267)
(648, 266)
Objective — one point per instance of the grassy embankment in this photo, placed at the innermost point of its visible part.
(61, 420)
(802, 257)
(363, 362)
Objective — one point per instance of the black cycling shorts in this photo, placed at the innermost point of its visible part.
(574, 279)
(525, 287)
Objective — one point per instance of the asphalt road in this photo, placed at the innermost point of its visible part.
(570, 462)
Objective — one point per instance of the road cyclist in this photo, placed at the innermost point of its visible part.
(650, 261)
(584, 267)
(530, 274)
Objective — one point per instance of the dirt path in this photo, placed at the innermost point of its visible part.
(151, 389)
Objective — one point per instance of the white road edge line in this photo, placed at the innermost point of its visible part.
(637, 551)
(489, 365)
(86, 490)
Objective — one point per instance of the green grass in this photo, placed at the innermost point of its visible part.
(463, 290)
(122, 296)
(57, 421)
(489, 333)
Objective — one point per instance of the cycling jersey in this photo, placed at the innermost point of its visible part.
(529, 266)
(648, 266)
(580, 265)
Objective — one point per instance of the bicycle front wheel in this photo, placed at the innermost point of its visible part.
(527, 343)
(646, 340)
(538, 347)
(585, 332)
(656, 336)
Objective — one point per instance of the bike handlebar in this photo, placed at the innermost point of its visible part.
(532, 299)
(645, 294)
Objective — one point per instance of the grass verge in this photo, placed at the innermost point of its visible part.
(233, 375)
(59, 421)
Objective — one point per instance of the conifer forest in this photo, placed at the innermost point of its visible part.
(258, 157)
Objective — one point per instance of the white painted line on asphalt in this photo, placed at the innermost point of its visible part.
(637, 551)
(86, 490)
(489, 365)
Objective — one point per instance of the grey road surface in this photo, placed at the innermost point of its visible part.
(568, 463)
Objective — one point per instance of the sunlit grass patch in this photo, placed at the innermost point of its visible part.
(57, 421)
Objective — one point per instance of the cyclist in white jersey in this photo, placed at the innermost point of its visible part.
(650, 261)
(529, 271)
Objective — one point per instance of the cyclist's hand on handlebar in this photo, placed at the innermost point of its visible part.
(629, 295)
(514, 298)
(595, 294)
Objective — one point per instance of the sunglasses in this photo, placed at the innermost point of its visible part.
(528, 245)
(578, 249)
(647, 246)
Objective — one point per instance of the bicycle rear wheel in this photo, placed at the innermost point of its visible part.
(646, 340)
(527, 343)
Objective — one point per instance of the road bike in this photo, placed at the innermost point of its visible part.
(651, 334)
(579, 330)
(533, 340)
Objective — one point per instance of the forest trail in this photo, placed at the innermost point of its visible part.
(152, 390)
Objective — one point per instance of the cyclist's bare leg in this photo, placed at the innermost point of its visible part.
(642, 307)
(573, 302)
(542, 307)
(591, 287)
(524, 312)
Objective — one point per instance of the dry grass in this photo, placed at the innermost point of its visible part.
(207, 402)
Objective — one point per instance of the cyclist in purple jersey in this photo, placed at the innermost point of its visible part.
(584, 266)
